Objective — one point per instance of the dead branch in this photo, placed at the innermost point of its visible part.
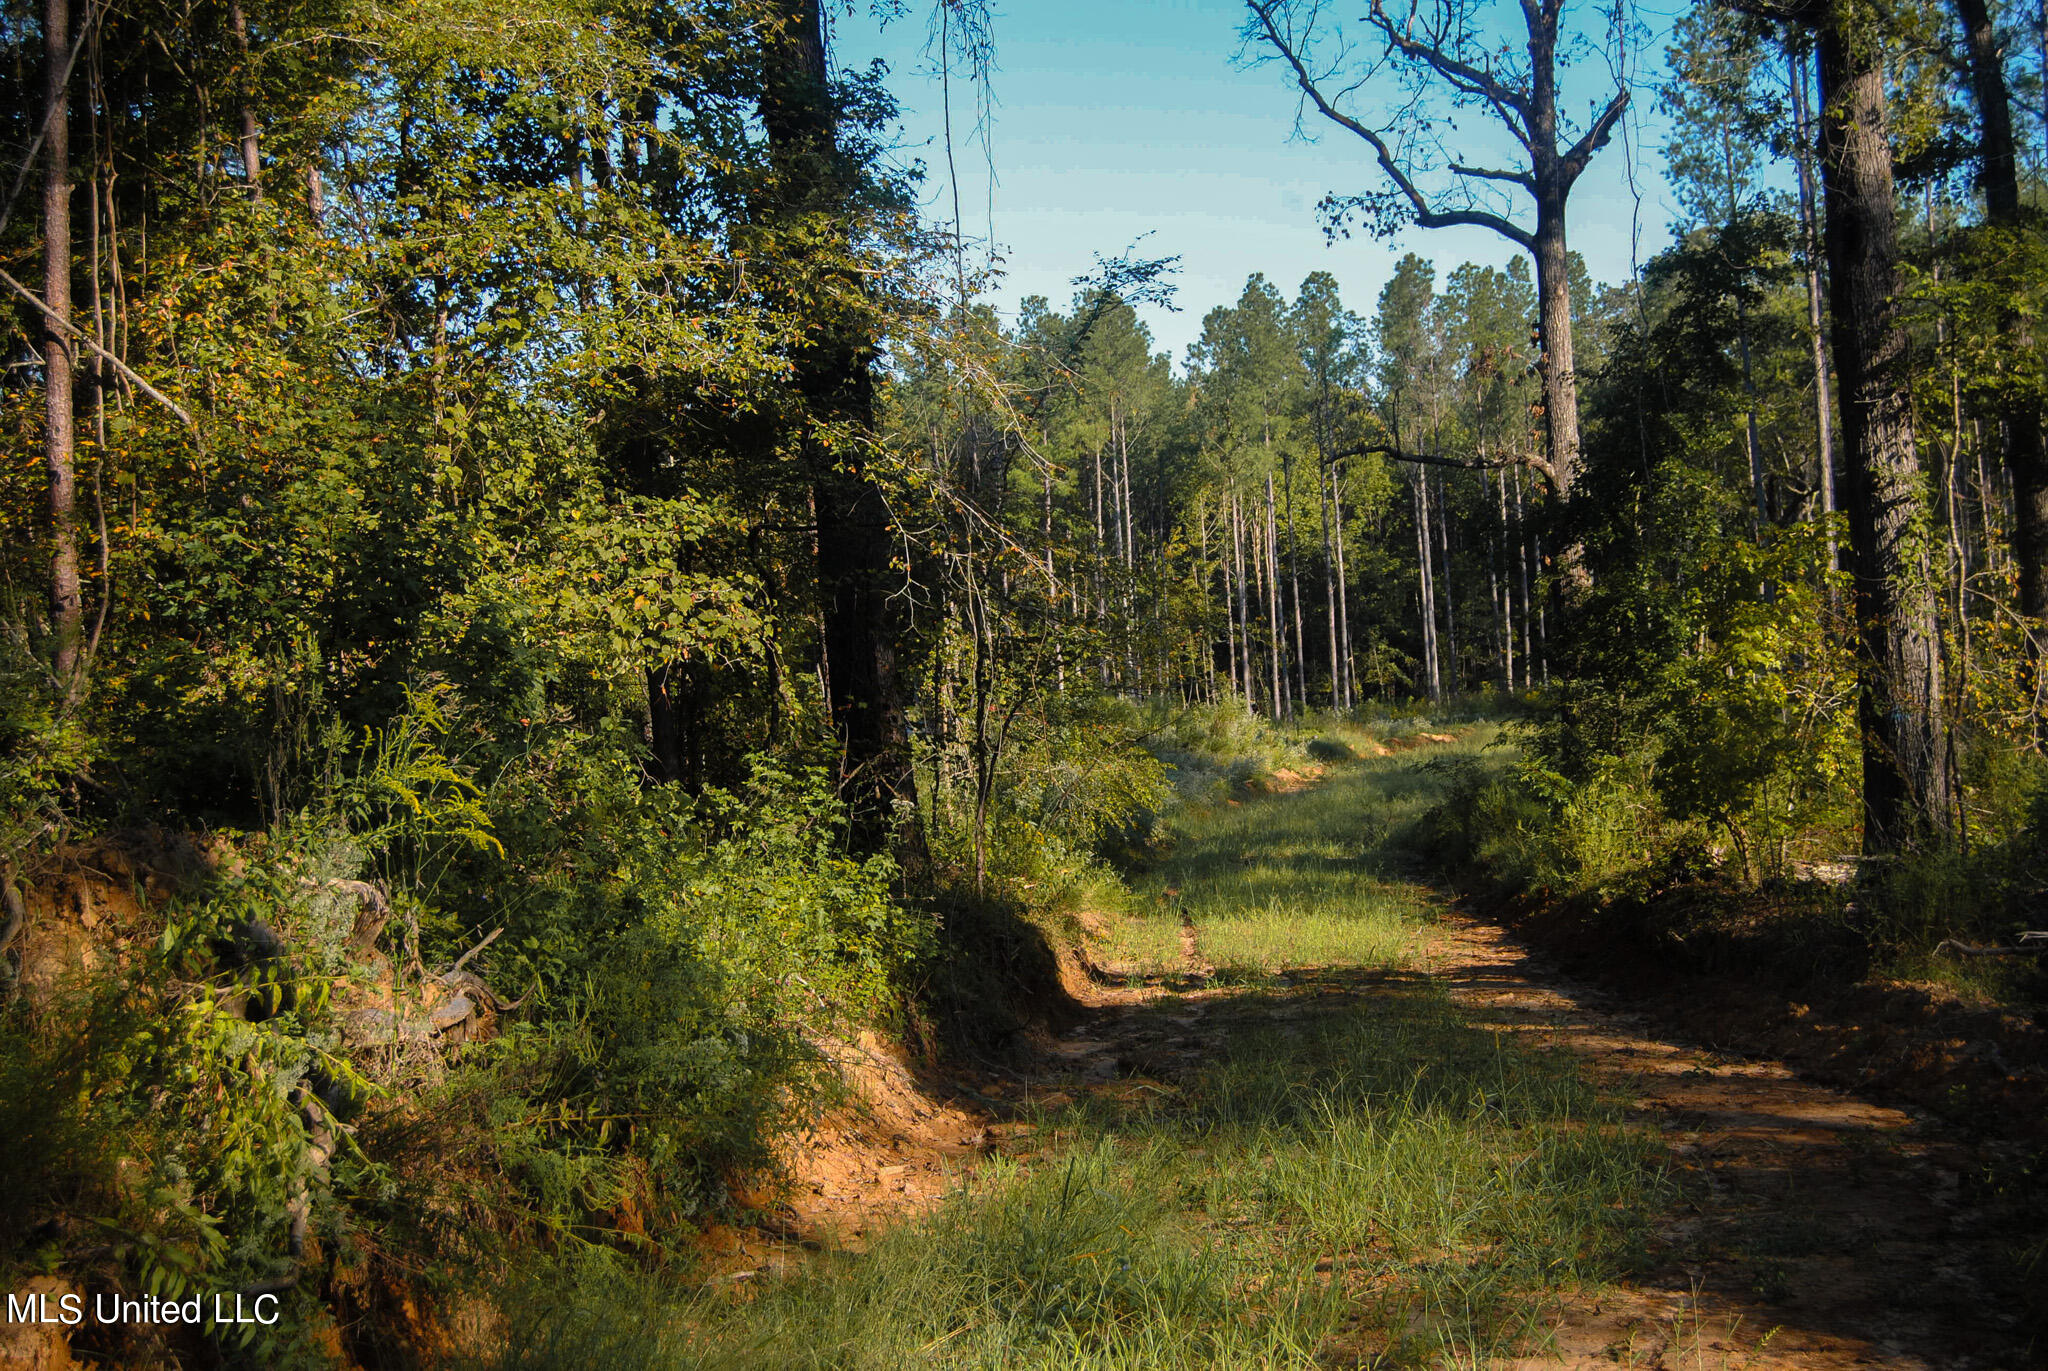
(2031, 944)
(1534, 463)
(78, 335)
(1427, 215)
(489, 938)
(1595, 138)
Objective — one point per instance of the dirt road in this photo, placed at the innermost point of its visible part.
(1810, 1229)
(1821, 1230)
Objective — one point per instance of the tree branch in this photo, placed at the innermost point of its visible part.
(127, 371)
(1472, 80)
(1514, 178)
(1595, 138)
(1431, 459)
(1426, 215)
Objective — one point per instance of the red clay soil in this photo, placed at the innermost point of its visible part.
(1820, 1228)
(1916, 1043)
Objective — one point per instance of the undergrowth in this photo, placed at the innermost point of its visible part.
(1363, 1173)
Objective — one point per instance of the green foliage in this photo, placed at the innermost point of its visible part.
(1756, 727)
(1084, 777)
(1215, 750)
(1711, 696)
(685, 954)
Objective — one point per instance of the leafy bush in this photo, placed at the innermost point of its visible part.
(1214, 749)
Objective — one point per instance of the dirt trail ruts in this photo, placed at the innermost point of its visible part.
(1819, 1230)
(1816, 1229)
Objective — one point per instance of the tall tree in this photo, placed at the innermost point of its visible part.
(2019, 412)
(1448, 50)
(1327, 336)
(817, 183)
(60, 437)
(1251, 383)
(1907, 801)
(1720, 131)
(1409, 374)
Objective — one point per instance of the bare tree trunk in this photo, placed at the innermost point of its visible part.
(1552, 182)
(1522, 565)
(1206, 667)
(60, 439)
(664, 734)
(1045, 532)
(1343, 587)
(1497, 588)
(1242, 618)
(252, 161)
(1294, 585)
(1123, 461)
(1426, 588)
(1823, 399)
(1273, 622)
(1755, 444)
(1130, 593)
(1337, 700)
(1452, 676)
(1099, 612)
(1906, 798)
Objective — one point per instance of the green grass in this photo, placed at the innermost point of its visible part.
(1281, 884)
(1361, 1176)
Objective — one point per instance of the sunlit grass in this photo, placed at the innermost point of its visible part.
(1286, 882)
(1367, 928)
(1143, 947)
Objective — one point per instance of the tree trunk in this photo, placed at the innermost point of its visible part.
(1502, 596)
(1426, 588)
(60, 439)
(1906, 799)
(252, 161)
(1330, 587)
(1294, 585)
(1276, 666)
(1823, 398)
(1531, 616)
(1451, 676)
(1343, 587)
(863, 617)
(1560, 380)
(1242, 623)
(2019, 415)
(1130, 596)
(664, 732)
(1550, 184)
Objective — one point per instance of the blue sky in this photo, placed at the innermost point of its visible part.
(1118, 118)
